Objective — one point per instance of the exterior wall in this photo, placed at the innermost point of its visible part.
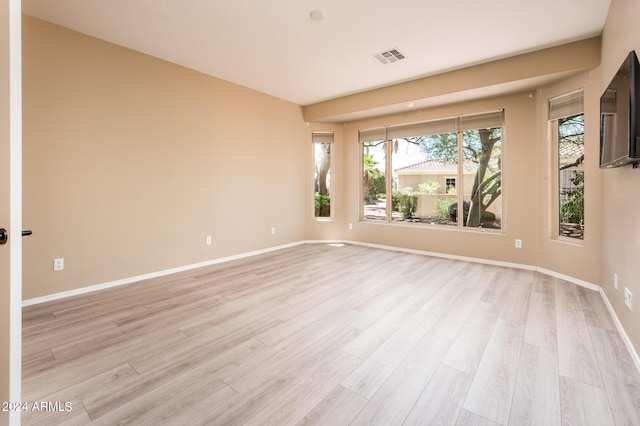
(414, 180)
(427, 202)
(128, 159)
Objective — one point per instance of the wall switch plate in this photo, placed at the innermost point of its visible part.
(350, 226)
(208, 240)
(518, 243)
(58, 264)
(273, 231)
(628, 298)
(615, 281)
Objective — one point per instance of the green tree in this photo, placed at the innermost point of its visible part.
(486, 188)
(370, 173)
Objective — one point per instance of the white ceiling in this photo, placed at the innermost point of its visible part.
(274, 46)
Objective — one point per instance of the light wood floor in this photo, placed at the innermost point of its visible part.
(332, 335)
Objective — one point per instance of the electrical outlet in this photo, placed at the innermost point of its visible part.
(350, 226)
(615, 281)
(58, 264)
(628, 298)
(208, 240)
(273, 231)
(518, 243)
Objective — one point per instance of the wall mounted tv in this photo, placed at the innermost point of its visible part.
(619, 116)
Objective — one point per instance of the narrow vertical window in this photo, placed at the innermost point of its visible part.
(374, 180)
(322, 147)
(567, 121)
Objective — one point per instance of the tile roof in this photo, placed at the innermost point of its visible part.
(438, 166)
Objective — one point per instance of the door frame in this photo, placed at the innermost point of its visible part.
(15, 205)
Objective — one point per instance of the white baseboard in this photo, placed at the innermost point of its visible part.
(324, 242)
(623, 334)
(570, 279)
(444, 255)
(130, 280)
(110, 284)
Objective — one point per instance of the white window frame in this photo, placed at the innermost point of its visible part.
(456, 124)
(565, 105)
(319, 136)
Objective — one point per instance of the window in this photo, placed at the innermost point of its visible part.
(567, 122)
(450, 185)
(419, 173)
(322, 145)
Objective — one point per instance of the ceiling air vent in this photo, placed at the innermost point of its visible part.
(389, 56)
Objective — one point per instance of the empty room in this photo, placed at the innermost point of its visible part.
(320, 212)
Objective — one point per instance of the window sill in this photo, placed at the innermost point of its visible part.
(323, 219)
(570, 241)
(436, 227)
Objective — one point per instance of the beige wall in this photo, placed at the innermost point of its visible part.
(128, 160)
(621, 186)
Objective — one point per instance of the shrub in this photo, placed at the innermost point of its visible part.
(405, 203)
(378, 186)
(323, 205)
(487, 217)
(572, 208)
(442, 208)
(428, 187)
(453, 211)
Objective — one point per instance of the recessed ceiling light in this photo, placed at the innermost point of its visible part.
(317, 15)
(410, 105)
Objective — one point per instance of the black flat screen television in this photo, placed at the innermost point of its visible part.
(619, 119)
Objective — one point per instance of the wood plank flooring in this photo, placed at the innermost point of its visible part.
(327, 335)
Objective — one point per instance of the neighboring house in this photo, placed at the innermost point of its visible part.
(442, 171)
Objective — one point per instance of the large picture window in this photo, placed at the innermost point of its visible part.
(322, 147)
(420, 173)
(566, 116)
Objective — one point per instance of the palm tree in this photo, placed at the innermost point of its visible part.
(370, 172)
